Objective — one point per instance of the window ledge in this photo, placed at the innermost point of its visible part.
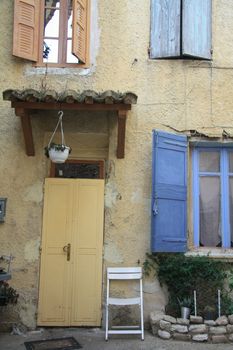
(58, 71)
(216, 253)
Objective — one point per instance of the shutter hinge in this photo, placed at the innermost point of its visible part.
(149, 50)
(40, 250)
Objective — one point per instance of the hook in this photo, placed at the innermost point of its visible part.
(60, 114)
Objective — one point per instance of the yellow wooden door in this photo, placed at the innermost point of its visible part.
(70, 287)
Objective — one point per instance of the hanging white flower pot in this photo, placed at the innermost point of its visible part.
(58, 153)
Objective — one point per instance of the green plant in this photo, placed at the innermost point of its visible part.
(182, 275)
(185, 302)
(8, 295)
(56, 146)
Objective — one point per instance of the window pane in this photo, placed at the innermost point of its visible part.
(69, 56)
(69, 26)
(210, 208)
(52, 3)
(52, 51)
(231, 207)
(230, 162)
(209, 161)
(51, 23)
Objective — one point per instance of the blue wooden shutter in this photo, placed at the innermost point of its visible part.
(196, 28)
(169, 193)
(165, 28)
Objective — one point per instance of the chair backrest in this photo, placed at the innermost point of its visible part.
(124, 273)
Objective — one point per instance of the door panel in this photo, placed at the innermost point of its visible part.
(70, 291)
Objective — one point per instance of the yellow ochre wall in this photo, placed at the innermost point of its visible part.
(172, 94)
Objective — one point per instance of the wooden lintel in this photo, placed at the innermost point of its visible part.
(121, 134)
(71, 106)
(27, 130)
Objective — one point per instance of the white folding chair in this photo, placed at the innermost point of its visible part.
(124, 273)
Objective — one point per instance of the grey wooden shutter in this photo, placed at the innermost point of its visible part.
(165, 28)
(196, 29)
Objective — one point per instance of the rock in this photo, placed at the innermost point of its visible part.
(196, 319)
(155, 317)
(179, 328)
(230, 319)
(216, 339)
(182, 337)
(210, 322)
(183, 321)
(198, 328)
(230, 337)
(169, 319)
(229, 328)
(218, 330)
(165, 325)
(200, 337)
(221, 321)
(154, 328)
(164, 334)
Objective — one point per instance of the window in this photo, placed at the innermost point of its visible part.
(213, 197)
(181, 28)
(55, 32)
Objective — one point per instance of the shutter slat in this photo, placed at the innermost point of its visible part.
(169, 193)
(26, 29)
(165, 28)
(80, 36)
(196, 31)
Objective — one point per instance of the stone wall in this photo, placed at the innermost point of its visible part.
(194, 329)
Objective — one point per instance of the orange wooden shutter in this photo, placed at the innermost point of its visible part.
(80, 35)
(26, 29)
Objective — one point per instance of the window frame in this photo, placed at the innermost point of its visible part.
(224, 175)
(40, 62)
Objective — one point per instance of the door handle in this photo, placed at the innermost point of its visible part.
(66, 249)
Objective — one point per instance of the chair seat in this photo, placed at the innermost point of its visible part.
(125, 301)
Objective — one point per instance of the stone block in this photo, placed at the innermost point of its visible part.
(169, 319)
(216, 339)
(155, 317)
(179, 328)
(183, 321)
(165, 325)
(154, 329)
(230, 337)
(210, 323)
(218, 330)
(221, 321)
(196, 319)
(230, 328)
(230, 319)
(164, 334)
(182, 337)
(200, 337)
(198, 328)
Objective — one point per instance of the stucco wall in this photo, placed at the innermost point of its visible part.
(172, 94)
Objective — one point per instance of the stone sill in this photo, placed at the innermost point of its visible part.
(215, 253)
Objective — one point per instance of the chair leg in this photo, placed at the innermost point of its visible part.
(106, 325)
(141, 309)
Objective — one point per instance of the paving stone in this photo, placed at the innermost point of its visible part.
(230, 328)
(218, 330)
(182, 337)
(196, 319)
(221, 321)
(155, 317)
(183, 321)
(230, 319)
(216, 339)
(200, 337)
(198, 328)
(164, 334)
(165, 325)
(179, 328)
(169, 319)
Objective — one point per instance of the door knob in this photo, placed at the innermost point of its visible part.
(66, 249)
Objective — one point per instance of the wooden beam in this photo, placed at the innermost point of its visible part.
(27, 130)
(121, 134)
(71, 106)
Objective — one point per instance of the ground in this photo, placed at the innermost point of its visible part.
(93, 339)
